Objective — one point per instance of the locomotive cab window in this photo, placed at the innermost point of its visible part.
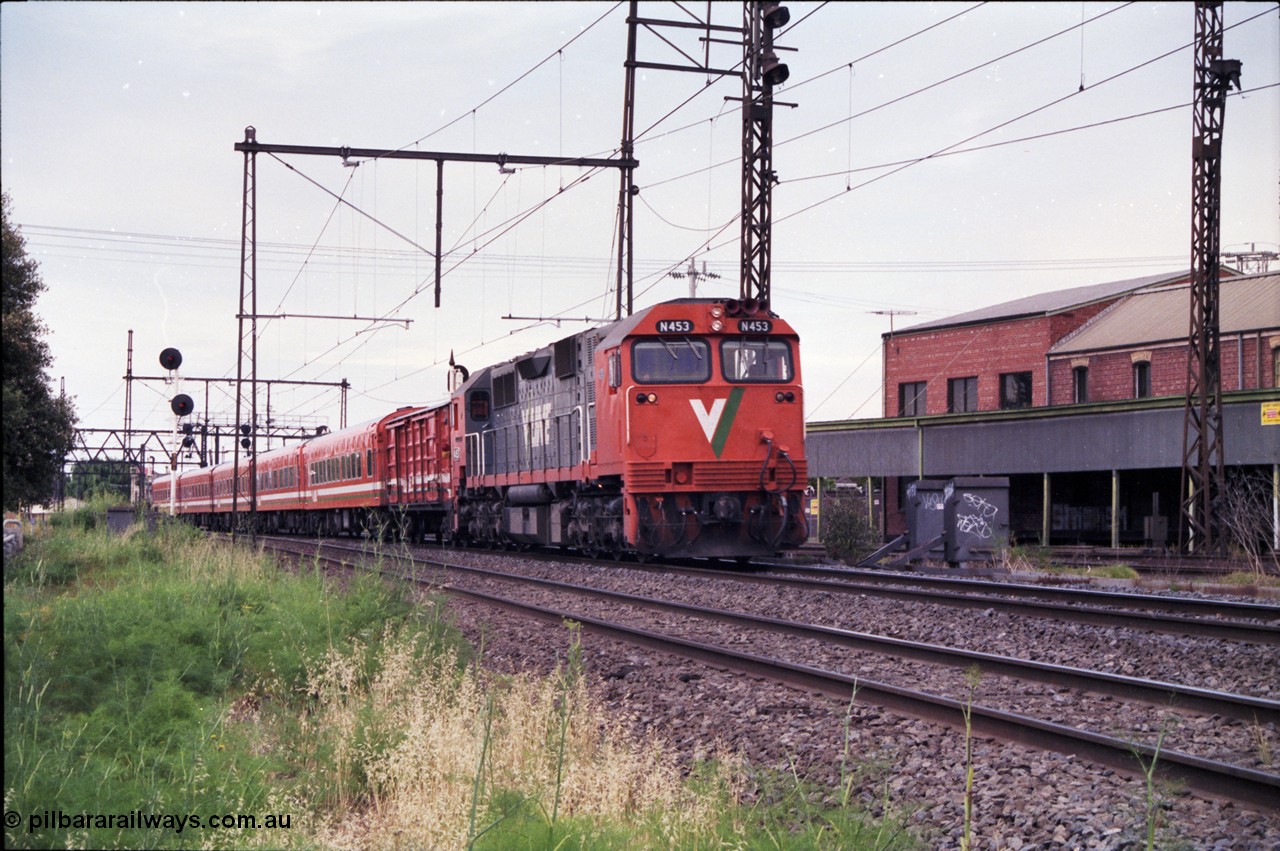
(747, 360)
(679, 360)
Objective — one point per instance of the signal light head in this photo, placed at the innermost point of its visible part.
(182, 405)
(775, 15)
(773, 72)
(171, 358)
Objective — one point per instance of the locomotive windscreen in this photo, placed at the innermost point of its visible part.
(756, 360)
(671, 361)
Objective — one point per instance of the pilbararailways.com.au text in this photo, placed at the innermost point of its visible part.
(139, 820)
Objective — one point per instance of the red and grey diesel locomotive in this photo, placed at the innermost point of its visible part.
(678, 431)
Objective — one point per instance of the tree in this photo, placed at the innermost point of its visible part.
(93, 477)
(38, 426)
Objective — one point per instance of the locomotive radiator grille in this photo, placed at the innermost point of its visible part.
(715, 475)
(644, 477)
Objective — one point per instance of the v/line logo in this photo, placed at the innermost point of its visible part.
(717, 419)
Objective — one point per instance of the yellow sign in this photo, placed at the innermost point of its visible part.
(1271, 413)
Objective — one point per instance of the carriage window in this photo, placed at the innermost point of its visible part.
(671, 361)
(756, 360)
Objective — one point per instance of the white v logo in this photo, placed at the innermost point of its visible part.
(708, 418)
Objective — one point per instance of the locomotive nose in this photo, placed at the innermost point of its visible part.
(727, 508)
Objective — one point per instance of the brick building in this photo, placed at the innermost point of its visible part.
(1074, 396)
(1106, 342)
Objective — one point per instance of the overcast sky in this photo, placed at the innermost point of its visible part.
(119, 121)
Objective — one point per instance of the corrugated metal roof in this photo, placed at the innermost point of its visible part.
(1047, 303)
(1158, 315)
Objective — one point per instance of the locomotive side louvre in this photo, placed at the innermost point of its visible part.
(526, 442)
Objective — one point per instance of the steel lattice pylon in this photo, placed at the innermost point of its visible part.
(758, 175)
(1203, 473)
(248, 340)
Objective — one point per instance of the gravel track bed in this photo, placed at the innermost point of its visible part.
(1023, 798)
(1211, 737)
(1230, 666)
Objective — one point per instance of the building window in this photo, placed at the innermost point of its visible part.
(1080, 384)
(1015, 390)
(1141, 379)
(962, 394)
(911, 399)
(1275, 367)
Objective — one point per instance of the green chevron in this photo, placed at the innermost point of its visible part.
(726, 421)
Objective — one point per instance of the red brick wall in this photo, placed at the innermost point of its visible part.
(1111, 373)
(987, 351)
(981, 350)
(1019, 345)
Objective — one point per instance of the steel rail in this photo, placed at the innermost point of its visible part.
(1149, 602)
(1250, 633)
(1209, 778)
(1173, 695)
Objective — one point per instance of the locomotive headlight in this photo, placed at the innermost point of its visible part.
(716, 312)
(717, 325)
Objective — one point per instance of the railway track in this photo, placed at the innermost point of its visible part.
(1208, 617)
(1149, 562)
(673, 626)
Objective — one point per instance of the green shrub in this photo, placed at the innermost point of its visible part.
(845, 530)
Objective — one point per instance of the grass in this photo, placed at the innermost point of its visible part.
(1249, 578)
(162, 673)
(1037, 560)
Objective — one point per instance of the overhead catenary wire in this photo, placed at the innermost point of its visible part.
(892, 101)
(44, 238)
(1001, 125)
